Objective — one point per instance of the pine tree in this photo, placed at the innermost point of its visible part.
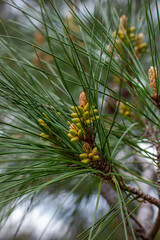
(80, 107)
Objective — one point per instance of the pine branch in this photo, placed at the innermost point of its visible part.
(81, 141)
(156, 226)
(145, 211)
(141, 194)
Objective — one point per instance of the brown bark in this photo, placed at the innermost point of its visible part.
(141, 194)
(145, 211)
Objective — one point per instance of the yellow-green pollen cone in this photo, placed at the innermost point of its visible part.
(43, 135)
(82, 115)
(90, 155)
(75, 133)
(124, 109)
(126, 36)
(50, 134)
